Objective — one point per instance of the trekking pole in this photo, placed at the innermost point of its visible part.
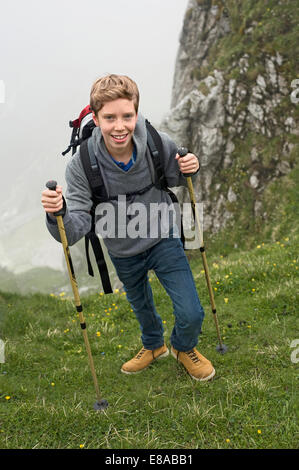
(221, 348)
(100, 404)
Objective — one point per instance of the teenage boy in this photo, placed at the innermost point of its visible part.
(120, 145)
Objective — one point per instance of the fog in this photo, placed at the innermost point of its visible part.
(50, 54)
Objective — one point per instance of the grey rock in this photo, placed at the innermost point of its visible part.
(271, 70)
(211, 113)
(261, 81)
(256, 110)
(283, 167)
(231, 196)
(254, 155)
(253, 180)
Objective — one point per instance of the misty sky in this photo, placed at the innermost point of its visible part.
(50, 54)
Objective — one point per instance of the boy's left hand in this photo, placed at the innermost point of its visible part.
(188, 164)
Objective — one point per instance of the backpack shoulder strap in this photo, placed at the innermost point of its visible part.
(155, 145)
(157, 152)
(93, 172)
(99, 194)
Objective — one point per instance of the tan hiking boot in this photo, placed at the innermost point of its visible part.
(195, 363)
(143, 359)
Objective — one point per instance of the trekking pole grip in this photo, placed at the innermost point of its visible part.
(52, 186)
(182, 151)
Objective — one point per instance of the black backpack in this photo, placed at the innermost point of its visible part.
(82, 130)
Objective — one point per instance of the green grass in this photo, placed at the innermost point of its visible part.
(251, 403)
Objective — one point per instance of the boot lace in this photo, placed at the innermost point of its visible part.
(140, 354)
(193, 356)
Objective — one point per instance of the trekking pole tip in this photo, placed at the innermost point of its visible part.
(221, 348)
(101, 405)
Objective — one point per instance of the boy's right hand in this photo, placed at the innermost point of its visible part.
(52, 201)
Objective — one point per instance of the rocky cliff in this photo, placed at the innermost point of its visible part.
(235, 102)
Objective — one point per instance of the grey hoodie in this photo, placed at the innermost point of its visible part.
(128, 225)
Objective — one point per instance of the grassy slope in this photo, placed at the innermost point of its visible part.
(251, 403)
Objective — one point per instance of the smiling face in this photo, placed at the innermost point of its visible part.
(117, 120)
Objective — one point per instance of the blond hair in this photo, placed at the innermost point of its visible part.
(112, 87)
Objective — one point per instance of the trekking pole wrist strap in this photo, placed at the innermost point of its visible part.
(63, 209)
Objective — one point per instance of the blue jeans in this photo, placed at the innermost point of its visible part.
(168, 260)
